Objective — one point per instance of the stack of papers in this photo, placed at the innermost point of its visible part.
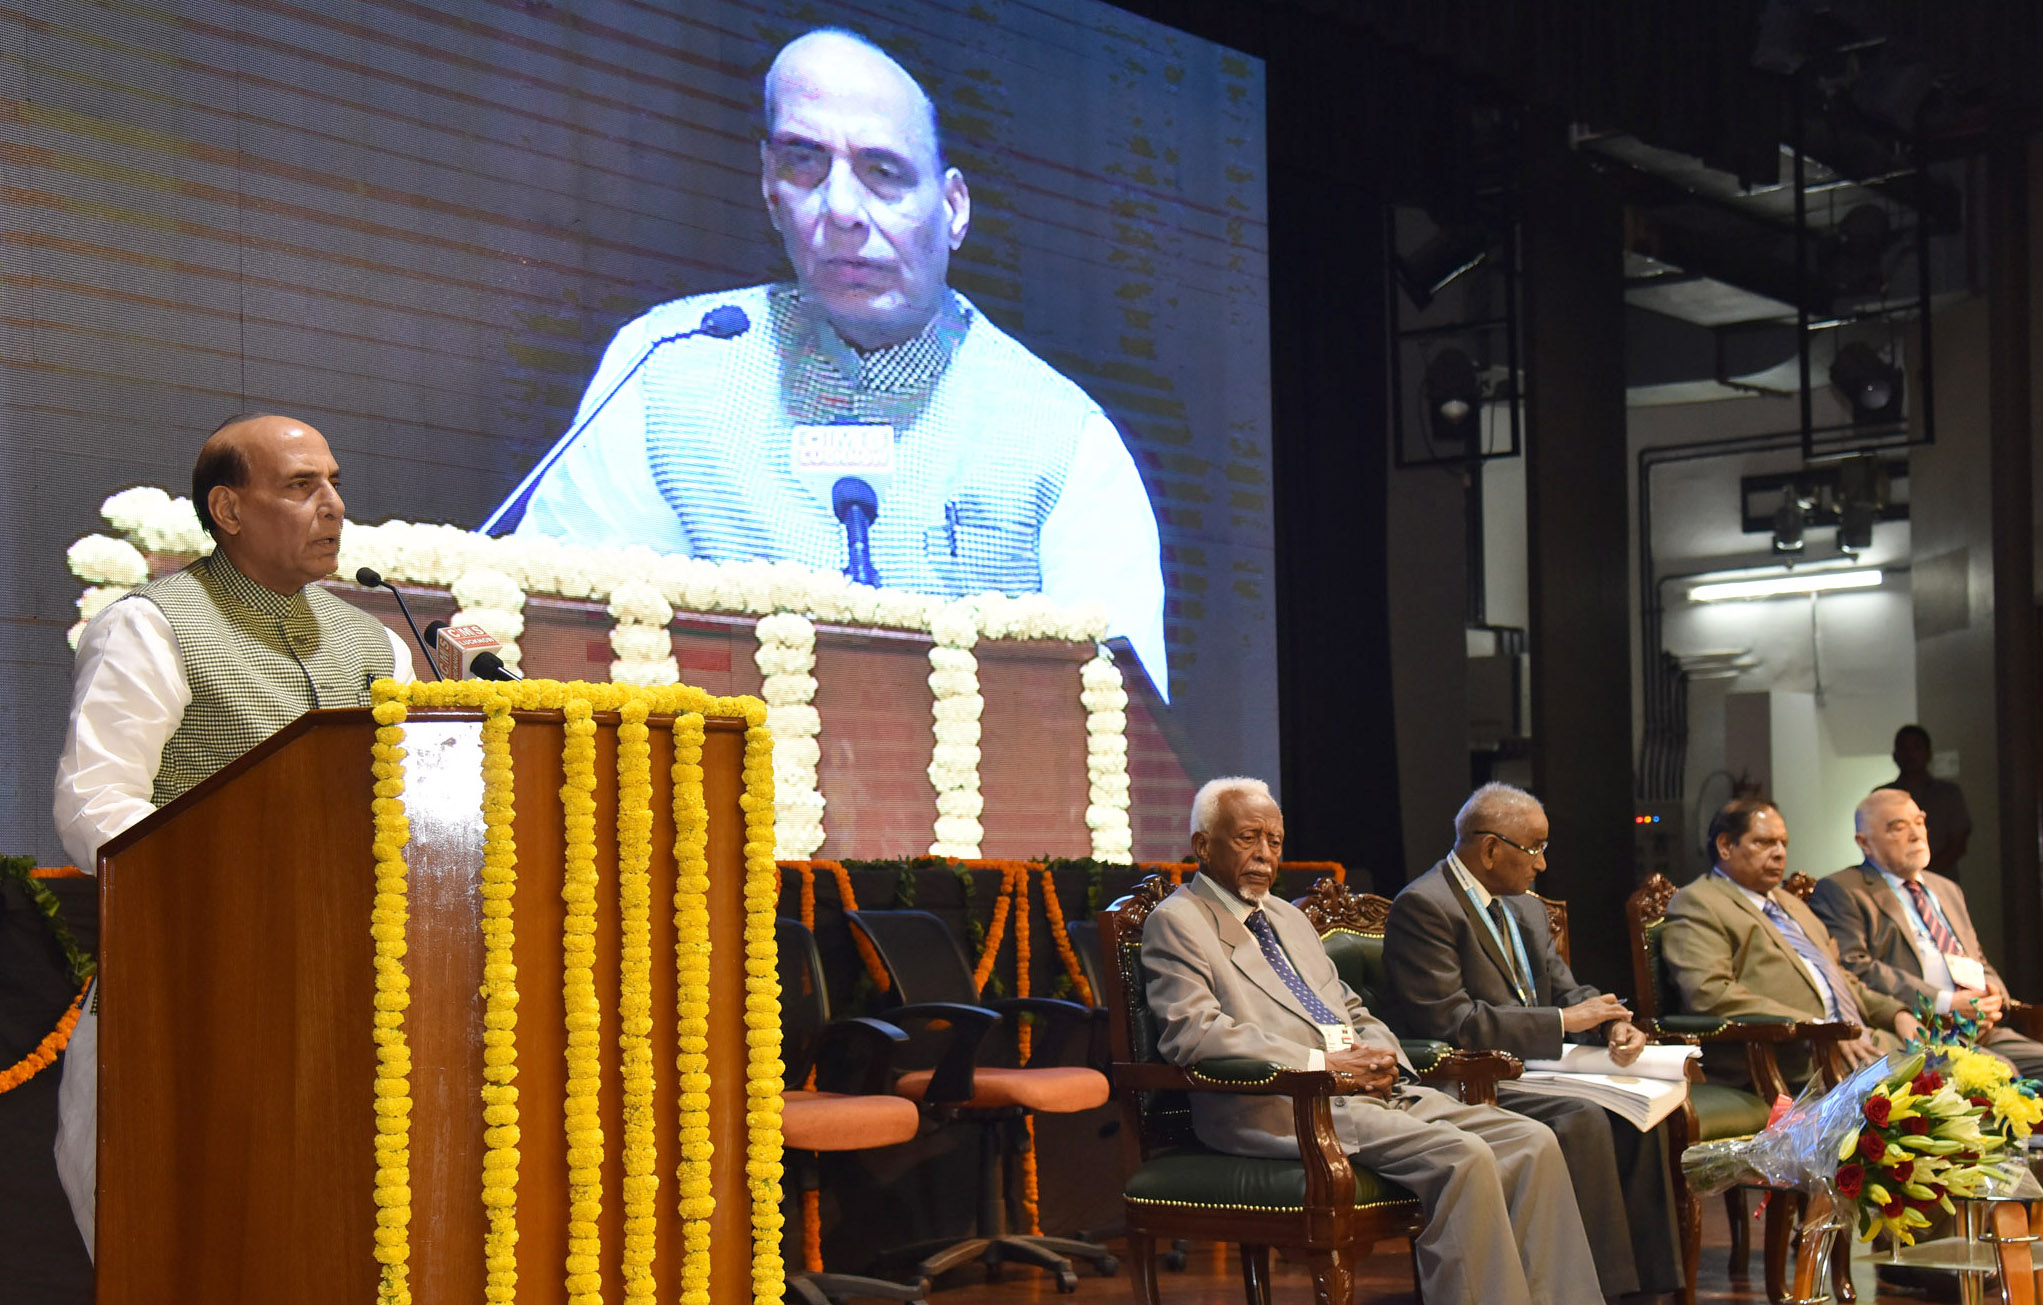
(1643, 1092)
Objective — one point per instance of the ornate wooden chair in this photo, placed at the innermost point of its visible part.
(1719, 1112)
(1321, 1209)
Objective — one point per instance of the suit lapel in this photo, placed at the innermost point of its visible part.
(1768, 935)
(1479, 925)
(1248, 957)
(1889, 905)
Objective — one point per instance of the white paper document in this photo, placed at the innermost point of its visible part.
(1644, 1092)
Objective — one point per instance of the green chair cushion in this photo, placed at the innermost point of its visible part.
(1722, 1112)
(1208, 1179)
(1358, 957)
(1425, 1053)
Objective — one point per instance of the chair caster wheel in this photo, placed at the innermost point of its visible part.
(1067, 1282)
(1173, 1260)
(1108, 1266)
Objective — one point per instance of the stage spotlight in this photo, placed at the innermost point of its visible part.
(1868, 382)
(1445, 256)
(1788, 522)
(1454, 399)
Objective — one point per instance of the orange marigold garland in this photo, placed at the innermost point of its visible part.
(1053, 910)
(45, 1053)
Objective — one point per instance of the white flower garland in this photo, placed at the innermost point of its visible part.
(492, 577)
(494, 601)
(786, 657)
(644, 648)
(111, 568)
(956, 707)
(1106, 759)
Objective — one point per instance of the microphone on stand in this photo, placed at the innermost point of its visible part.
(369, 579)
(467, 652)
(723, 322)
(857, 507)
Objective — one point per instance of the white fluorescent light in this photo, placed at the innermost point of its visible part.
(1813, 582)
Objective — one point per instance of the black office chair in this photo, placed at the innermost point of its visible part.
(852, 1107)
(930, 977)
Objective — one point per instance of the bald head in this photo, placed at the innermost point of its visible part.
(268, 490)
(1890, 829)
(831, 61)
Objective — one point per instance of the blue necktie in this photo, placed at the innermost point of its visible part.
(1273, 952)
(1843, 1006)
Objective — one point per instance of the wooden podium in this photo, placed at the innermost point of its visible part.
(236, 1123)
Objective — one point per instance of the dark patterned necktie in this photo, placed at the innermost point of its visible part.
(1940, 934)
(1273, 952)
(1843, 1006)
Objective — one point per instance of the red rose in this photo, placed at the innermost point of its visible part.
(1926, 1082)
(1981, 1102)
(1877, 1110)
(1917, 1125)
(1894, 1207)
(1872, 1146)
(1851, 1180)
(1903, 1171)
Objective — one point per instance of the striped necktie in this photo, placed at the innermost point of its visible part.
(1843, 1006)
(1273, 952)
(1940, 933)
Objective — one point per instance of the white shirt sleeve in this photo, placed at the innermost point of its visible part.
(128, 697)
(1100, 545)
(601, 494)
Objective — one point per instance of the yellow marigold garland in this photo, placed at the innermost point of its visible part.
(763, 1083)
(635, 994)
(500, 1008)
(387, 922)
(691, 965)
(584, 1280)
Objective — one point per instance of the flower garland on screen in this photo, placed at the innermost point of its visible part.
(691, 970)
(387, 921)
(492, 578)
(635, 1000)
(764, 1143)
(786, 657)
(956, 706)
(584, 1015)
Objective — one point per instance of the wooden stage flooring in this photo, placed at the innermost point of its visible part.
(1212, 1276)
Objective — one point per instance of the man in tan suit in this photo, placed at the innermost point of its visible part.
(1736, 944)
(1904, 929)
(1233, 971)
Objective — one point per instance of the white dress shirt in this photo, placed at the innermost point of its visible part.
(128, 696)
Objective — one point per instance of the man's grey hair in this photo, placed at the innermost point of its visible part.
(767, 96)
(1206, 802)
(1492, 805)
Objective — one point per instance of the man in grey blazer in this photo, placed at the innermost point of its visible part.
(1468, 959)
(1233, 971)
(1904, 930)
(1736, 943)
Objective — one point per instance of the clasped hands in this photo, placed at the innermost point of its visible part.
(1374, 1068)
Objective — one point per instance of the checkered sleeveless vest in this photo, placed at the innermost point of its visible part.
(256, 661)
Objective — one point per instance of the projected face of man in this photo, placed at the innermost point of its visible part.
(855, 186)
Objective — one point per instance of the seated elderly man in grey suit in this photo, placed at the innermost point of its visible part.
(1904, 930)
(1234, 971)
(1468, 959)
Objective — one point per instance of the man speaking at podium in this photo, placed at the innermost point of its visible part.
(190, 671)
(989, 470)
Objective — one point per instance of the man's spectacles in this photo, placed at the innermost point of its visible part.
(1534, 851)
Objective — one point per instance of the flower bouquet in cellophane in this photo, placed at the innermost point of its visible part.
(1891, 1142)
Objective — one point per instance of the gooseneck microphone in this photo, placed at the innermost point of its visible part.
(369, 579)
(857, 507)
(723, 322)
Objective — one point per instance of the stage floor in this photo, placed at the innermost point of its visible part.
(1212, 1276)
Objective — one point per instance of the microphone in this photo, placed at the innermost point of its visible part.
(723, 322)
(369, 579)
(857, 507)
(468, 652)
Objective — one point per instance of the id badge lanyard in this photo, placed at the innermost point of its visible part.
(1517, 947)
